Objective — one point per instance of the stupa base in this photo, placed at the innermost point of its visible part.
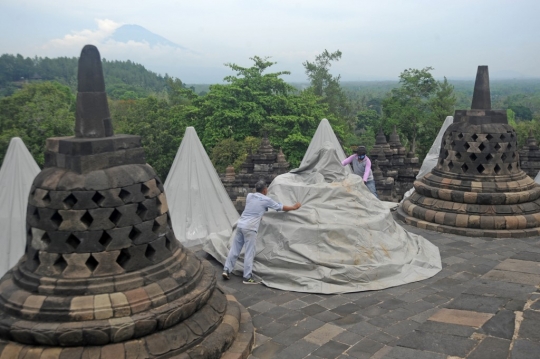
(464, 231)
(231, 339)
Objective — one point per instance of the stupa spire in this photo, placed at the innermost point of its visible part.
(481, 96)
(92, 114)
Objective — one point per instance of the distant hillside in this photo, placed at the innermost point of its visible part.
(124, 79)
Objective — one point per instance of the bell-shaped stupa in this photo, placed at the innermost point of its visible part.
(477, 187)
(103, 275)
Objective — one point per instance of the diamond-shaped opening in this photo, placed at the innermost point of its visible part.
(73, 241)
(156, 226)
(502, 136)
(441, 162)
(450, 165)
(105, 239)
(124, 194)
(503, 156)
(123, 258)
(142, 210)
(57, 218)
(36, 214)
(45, 238)
(510, 167)
(513, 155)
(489, 137)
(47, 199)
(497, 169)
(509, 145)
(60, 264)
(150, 253)
(87, 219)
(445, 153)
(460, 136)
(169, 222)
(511, 134)
(36, 259)
(70, 200)
(453, 143)
(134, 234)
(464, 168)
(91, 263)
(474, 136)
(481, 147)
(497, 146)
(466, 145)
(98, 198)
(158, 181)
(145, 189)
(168, 244)
(33, 192)
(458, 155)
(473, 157)
(480, 168)
(115, 216)
(489, 157)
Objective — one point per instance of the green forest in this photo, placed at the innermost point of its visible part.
(37, 101)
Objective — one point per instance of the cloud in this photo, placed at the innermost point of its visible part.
(78, 39)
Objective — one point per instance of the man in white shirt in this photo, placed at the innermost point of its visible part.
(246, 230)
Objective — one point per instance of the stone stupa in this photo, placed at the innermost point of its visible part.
(477, 187)
(103, 275)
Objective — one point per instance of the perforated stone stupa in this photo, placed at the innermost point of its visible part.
(103, 275)
(477, 187)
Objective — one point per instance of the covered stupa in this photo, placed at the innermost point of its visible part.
(103, 275)
(324, 133)
(432, 157)
(477, 187)
(198, 202)
(16, 175)
(341, 240)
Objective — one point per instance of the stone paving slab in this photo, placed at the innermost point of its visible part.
(468, 310)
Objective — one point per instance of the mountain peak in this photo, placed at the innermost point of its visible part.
(132, 32)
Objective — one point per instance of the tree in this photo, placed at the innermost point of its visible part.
(326, 86)
(34, 113)
(418, 107)
(254, 101)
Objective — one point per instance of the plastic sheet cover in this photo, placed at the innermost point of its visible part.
(341, 240)
(433, 155)
(537, 178)
(324, 133)
(198, 203)
(16, 176)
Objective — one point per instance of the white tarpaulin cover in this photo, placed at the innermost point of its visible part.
(537, 178)
(324, 133)
(16, 176)
(198, 202)
(433, 155)
(341, 240)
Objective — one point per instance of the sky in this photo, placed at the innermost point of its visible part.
(378, 38)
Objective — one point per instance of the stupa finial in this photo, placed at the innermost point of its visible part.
(481, 96)
(93, 119)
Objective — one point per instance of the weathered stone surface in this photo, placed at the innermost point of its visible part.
(501, 325)
(461, 317)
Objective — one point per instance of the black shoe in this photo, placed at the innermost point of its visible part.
(225, 275)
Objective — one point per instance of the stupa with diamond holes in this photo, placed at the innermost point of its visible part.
(477, 187)
(103, 275)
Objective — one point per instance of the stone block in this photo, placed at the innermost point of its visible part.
(116, 238)
(131, 194)
(107, 263)
(461, 317)
(143, 233)
(125, 215)
(101, 219)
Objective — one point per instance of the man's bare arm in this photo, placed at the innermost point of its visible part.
(292, 208)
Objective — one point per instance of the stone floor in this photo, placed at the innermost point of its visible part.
(484, 304)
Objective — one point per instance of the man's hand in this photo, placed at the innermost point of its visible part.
(297, 205)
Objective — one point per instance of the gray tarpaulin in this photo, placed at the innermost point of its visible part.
(324, 133)
(16, 176)
(341, 240)
(433, 155)
(198, 202)
(537, 178)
